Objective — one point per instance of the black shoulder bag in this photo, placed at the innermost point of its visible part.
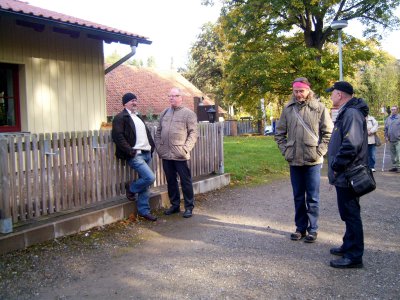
(361, 180)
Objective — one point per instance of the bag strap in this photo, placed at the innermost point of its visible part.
(163, 114)
(305, 125)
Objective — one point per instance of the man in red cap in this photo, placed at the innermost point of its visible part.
(302, 134)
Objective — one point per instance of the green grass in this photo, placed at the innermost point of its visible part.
(253, 160)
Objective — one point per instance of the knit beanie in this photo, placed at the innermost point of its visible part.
(128, 97)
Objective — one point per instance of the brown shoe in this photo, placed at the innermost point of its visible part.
(128, 193)
(311, 237)
(297, 236)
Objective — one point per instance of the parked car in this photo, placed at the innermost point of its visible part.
(268, 130)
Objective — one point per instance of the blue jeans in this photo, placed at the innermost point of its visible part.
(173, 168)
(305, 184)
(350, 213)
(140, 163)
(371, 156)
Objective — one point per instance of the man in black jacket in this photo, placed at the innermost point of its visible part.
(135, 145)
(348, 147)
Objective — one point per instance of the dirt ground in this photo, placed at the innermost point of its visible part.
(236, 246)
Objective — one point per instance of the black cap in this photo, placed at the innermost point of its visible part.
(343, 86)
(128, 97)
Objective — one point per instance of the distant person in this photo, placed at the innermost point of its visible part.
(372, 127)
(302, 134)
(392, 135)
(175, 137)
(135, 145)
(348, 147)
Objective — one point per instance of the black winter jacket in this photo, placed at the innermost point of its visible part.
(349, 141)
(124, 135)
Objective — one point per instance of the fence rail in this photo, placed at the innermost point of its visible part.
(48, 173)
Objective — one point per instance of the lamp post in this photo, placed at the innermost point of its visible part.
(339, 25)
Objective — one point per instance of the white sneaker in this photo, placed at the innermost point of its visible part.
(373, 170)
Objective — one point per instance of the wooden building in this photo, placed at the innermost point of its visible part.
(52, 76)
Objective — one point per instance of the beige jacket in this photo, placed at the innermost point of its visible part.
(297, 145)
(176, 133)
(372, 127)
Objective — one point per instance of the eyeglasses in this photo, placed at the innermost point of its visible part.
(174, 96)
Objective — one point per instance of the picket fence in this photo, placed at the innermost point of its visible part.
(49, 173)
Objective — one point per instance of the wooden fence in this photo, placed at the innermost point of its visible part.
(48, 173)
(234, 127)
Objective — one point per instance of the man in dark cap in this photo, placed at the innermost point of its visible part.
(347, 148)
(135, 145)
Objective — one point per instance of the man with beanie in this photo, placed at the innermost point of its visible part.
(135, 145)
(347, 148)
(302, 134)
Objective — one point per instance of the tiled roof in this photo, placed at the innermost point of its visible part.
(150, 86)
(39, 14)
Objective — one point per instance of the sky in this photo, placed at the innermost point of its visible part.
(172, 25)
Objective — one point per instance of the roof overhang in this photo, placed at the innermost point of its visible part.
(38, 23)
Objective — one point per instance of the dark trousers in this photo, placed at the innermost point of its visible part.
(350, 213)
(173, 168)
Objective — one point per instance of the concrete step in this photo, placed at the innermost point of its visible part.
(70, 222)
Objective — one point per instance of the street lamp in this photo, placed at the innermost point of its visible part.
(339, 25)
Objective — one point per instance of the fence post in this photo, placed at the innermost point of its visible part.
(220, 142)
(5, 213)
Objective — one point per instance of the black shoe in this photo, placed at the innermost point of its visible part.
(337, 251)
(393, 170)
(149, 217)
(297, 236)
(128, 193)
(188, 213)
(311, 237)
(172, 210)
(346, 263)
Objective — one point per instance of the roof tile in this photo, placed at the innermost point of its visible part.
(27, 9)
(151, 86)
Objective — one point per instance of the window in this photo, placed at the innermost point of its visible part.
(10, 119)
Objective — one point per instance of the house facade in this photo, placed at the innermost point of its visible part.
(52, 76)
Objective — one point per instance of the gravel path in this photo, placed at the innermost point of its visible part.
(236, 246)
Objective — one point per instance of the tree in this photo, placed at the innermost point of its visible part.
(151, 62)
(269, 43)
(113, 57)
(312, 17)
(379, 83)
(205, 67)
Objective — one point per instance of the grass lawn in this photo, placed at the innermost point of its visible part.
(253, 160)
